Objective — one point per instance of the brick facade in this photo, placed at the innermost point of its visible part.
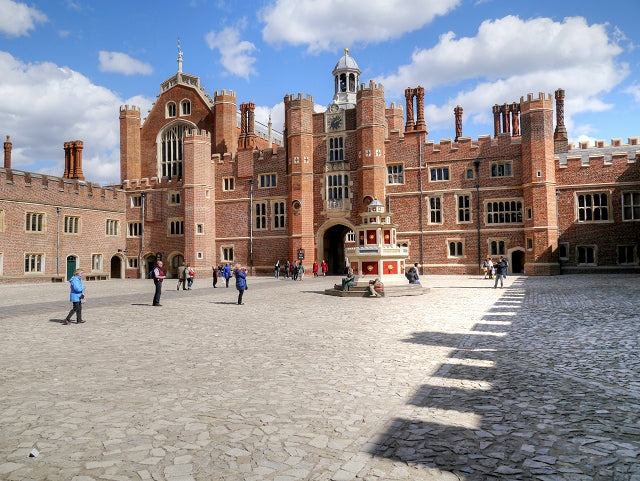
(200, 183)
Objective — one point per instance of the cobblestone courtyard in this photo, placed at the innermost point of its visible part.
(539, 380)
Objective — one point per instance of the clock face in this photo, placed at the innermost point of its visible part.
(335, 122)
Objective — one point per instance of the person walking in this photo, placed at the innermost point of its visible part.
(241, 282)
(189, 274)
(314, 268)
(501, 269)
(181, 277)
(226, 272)
(158, 277)
(287, 266)
(76, 297)
(215, 275)
(276, 274)
(324, 267)
(300, 271)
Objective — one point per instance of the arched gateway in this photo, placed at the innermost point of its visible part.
(331, 246)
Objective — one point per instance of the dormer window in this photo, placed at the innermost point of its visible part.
(185, 107)
(171, 109)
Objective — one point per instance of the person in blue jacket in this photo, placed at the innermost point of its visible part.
(76, 297)
(241, 282)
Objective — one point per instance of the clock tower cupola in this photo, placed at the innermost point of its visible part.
(346, 78)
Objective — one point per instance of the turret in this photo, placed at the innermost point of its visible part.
(225, 130)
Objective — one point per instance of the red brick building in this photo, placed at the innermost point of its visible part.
(49, 226)
(207, 184)
(523, 192)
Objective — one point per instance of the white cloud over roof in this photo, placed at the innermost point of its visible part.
(118, 62)
(17, 19)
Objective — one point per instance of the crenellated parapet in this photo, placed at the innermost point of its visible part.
(299, 100)
(24, 186)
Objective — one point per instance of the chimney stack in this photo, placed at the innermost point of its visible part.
(7, 153)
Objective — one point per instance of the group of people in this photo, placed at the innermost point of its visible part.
(295, 270)
(497, 270)
(186, 275)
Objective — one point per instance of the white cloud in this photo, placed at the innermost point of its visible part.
(330, 24)
(18, 19)
(46, 105)
(118, 62)
(501, 64)
(634, 91)
(235, 54)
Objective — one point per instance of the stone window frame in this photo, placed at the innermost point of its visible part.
(633, 206)
(226, 253)
(591, 210)
(335, 153)
(175, 226)
(174, 197)
(260, 215)
(136, 201)
(279, 214)
(517, 212)
(459, 248)
(97, 262)
(268, 180)
(590, 254)
(501, 168)
(498, 243)
(437, 211)
(112, 227)
(185, 107)
(441, 173)
(397, 177)
(35, 260)
(134, 228)
(468, 208)
(171, 110)
(132, 262)
(629, 250)
(35, 222)
(563, 246)
(228, 184)
(71, 225)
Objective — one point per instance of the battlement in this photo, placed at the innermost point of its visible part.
(224, 93)
(147, 183)
(395, 106)
(613, 155)
(599, 144)
(24, 184)
(531, 103)
(195, 133)
(127, 108)
(372, 86)
(292, 98)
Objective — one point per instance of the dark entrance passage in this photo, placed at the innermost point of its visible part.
(334, 238)
(517, 262)
(116, 267)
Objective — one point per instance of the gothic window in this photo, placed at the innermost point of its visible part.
(260, 215)
(71, 224)
(171, 161)
(171, 109)
(497, 248)
(111, 227)
(464, 208)
(456, 248)
(435, 210)
(33, 262)
(337, 190)
(278, 215)
(336, 149)
(34, 222)
(176, 227)
(134, 229)
(186, 107)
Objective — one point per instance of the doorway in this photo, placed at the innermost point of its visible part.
(517, 262)
(72, 262)
(333, 249)
(116, 267)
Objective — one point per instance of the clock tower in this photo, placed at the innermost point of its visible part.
(346, 77)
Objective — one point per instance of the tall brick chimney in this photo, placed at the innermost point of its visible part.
(560, 138)
(73, 160)
(458, 114)
(7, 153)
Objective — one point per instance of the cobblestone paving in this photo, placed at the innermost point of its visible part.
(539, 380)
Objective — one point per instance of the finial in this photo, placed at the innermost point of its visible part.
(179, 57)
(346, 51)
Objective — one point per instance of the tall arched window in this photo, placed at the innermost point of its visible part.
(171, 160)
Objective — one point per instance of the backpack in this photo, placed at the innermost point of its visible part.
(191, 273)
(151, 274)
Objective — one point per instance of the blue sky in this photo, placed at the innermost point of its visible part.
(66, 66)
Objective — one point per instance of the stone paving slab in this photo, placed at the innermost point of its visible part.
(539, 380)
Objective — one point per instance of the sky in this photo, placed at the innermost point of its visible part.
(66, 66)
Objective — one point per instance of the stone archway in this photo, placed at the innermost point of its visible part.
(333, 241)
(116, 267)
(517, 261)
